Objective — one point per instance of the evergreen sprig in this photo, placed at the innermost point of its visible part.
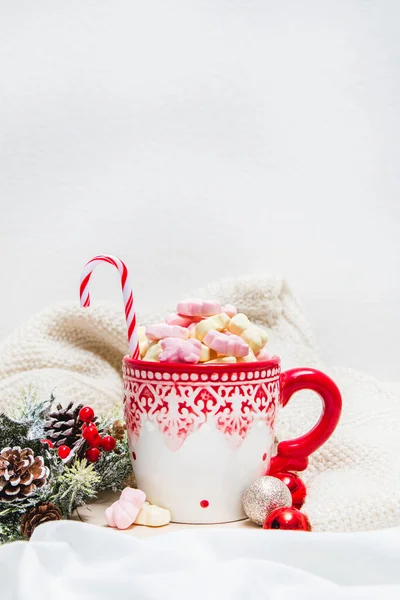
(114, 468)
(71, 483)
(30, 411)
(106, 420)
(10, 517)
(30, 408)
(10, 528)
(75, 486)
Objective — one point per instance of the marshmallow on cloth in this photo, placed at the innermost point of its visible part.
(231, 345)
(163, 330)
(123, 512)
(153, 516)
(176, 350)
(198, 308)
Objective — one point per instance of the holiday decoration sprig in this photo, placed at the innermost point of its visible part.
(74, 486)
(55, 458)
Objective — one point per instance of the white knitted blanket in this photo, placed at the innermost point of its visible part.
(353, 480)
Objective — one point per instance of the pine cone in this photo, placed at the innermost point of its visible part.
(38, 514)
(130, 481)
(21, 473)
(117, 430)
(63, 427)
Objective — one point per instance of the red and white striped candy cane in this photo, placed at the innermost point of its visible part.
(127, 293)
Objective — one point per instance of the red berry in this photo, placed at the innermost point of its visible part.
(93, 454)
(95, 442)
(86, 414)
(90, 432)
(48, 442)
(108, 443)
(63, 451)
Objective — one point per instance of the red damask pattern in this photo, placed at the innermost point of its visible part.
(180, 407)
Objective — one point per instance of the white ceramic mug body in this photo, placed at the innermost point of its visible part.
(199, 435)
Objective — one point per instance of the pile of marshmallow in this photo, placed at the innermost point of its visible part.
(202, 331)
(132, 509)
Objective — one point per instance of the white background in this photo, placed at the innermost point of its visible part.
(206, 139)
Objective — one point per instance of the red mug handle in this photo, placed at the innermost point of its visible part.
(293, 455)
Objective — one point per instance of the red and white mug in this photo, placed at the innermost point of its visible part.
(200, 434)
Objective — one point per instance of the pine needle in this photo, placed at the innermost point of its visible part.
(75, 486)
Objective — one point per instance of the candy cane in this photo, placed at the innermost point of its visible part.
(127, 293)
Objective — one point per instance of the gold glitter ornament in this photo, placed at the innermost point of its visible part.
(263, 496)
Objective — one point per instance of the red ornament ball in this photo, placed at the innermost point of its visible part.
(63, 451)
(288, 518)
(108, 443)
(92, 455)
(86, 414)
(90, 433)
(296, 487)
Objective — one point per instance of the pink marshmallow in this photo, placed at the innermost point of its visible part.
(124, 511)
(121, 514)
(108, 513)
(198, 308)
(124, 514)
(134, 496)
(229, 310)
(229, 345)
(175, 350)
(163, 330)
(263, 354)
(175, 319)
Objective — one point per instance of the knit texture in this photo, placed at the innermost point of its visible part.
(352, 480)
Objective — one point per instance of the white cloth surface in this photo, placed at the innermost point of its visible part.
(352, 480)
(68, 560)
